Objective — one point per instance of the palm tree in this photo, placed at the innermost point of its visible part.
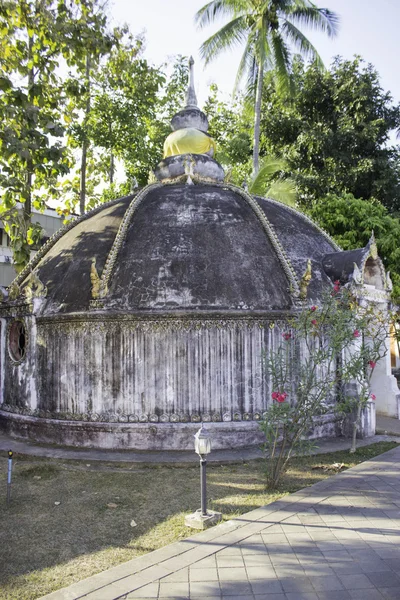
(267, 29)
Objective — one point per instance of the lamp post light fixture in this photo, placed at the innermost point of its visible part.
(202, 446)
(203, 518)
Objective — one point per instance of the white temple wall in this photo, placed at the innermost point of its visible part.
(384, 386)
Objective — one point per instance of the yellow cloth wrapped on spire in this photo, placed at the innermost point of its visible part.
(188, 141)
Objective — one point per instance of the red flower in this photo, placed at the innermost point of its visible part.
(356, 333)
(372, 396)
(372, 364)
(313, 308)
(279, 396)
(336, 286)
(286, 336)
(314, 322)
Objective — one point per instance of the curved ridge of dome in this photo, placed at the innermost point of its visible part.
(119, 239)
(34, 261)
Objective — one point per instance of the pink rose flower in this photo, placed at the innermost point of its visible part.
(372, 396)
(356, 333)
(313, 308)
(314, 322)
(372, 364)
(286, 336)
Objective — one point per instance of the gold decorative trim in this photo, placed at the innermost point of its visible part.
(103, 284)
(305, 281)
(34, 288)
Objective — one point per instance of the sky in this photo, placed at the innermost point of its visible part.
(368, 28)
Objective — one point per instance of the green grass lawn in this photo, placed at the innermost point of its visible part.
(44, 546)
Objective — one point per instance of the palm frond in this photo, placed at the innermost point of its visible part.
(322, 19)
(230, 35)
(301, 43)
(281, 60)
(283, 190)
(247, 65)
(269, 168)
(216, 9)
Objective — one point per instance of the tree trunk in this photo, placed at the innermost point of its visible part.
(356, 426)
(85, 145)
(257, 120)
(112, 168)
(112, 164)
(29, 166)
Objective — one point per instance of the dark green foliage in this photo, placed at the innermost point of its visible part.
(350, 221)
(333, 132)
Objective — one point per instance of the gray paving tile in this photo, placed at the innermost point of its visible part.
(390, 593)
(334, 595)
(346, 568)
(376, 566)
(230, 551)
(385, 579)
(204, 589)
(274, 538)
(270, 597)
(303, 596)
(327, 583)
(174, 589)
(148, 591)
(232, 574)
(335, 556)
(205, 597)
(182, 575)
(355, 581)
(256, 560)
(263, 572)
(296, 584)
(247, 597)
(204, 563)
(289, 571)
(267, 586)
(366, 594)
(233, 560)
(235, 588)
(210, 574)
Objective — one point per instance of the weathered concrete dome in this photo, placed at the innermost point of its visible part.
(153, 313)
(184, 247)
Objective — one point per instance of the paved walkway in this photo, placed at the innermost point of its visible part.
(336, 540)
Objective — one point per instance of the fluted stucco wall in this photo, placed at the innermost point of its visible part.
(156, 370)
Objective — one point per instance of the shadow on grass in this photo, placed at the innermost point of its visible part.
(46, 546)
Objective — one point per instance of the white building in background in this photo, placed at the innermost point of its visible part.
(50, 222)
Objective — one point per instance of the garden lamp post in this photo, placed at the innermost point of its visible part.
(202, 446)
(203, 518)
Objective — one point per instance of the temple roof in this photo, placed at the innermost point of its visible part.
(182, 248)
